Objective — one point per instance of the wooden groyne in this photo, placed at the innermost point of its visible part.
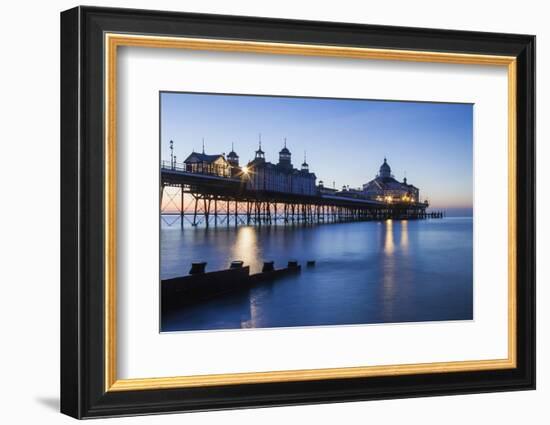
(199, 285)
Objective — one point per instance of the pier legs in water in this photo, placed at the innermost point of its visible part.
(230, 211)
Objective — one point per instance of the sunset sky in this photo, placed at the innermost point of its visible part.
(345, 140)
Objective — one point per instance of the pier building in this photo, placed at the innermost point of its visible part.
(325, 190)
(201, 163)
(281, 177)
(384, 187)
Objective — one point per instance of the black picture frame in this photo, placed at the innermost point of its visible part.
(83, 392)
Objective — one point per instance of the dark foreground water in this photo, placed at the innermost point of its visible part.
(366, 272)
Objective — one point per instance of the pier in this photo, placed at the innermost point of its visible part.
(211, 198)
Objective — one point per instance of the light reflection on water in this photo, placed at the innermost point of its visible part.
(404, 235)
(388, 245)
(366, 272)
(246, 248)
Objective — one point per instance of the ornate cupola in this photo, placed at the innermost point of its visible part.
(385, 170)
(260, 154)
(285, 157)
(305, 166)
(232, 157)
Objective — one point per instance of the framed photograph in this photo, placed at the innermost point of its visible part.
(261, 212)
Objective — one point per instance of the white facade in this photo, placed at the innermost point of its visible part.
(281, 177)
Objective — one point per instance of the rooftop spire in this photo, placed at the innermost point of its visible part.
(260, 140)
(305, 167)
(203, 145)
(385, 170)
(260, 152)
(232, 154)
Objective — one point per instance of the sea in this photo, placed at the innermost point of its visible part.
(369, 272)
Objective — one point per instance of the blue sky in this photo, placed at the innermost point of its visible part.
(345, 140)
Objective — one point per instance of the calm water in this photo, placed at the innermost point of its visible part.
(366, 272)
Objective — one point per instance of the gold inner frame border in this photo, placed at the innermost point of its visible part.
(113, 40)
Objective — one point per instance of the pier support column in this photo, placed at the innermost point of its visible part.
(181, 206)
(215, 212)
(195, 213)
(227, 212)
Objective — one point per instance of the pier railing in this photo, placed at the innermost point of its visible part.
(197, 168)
